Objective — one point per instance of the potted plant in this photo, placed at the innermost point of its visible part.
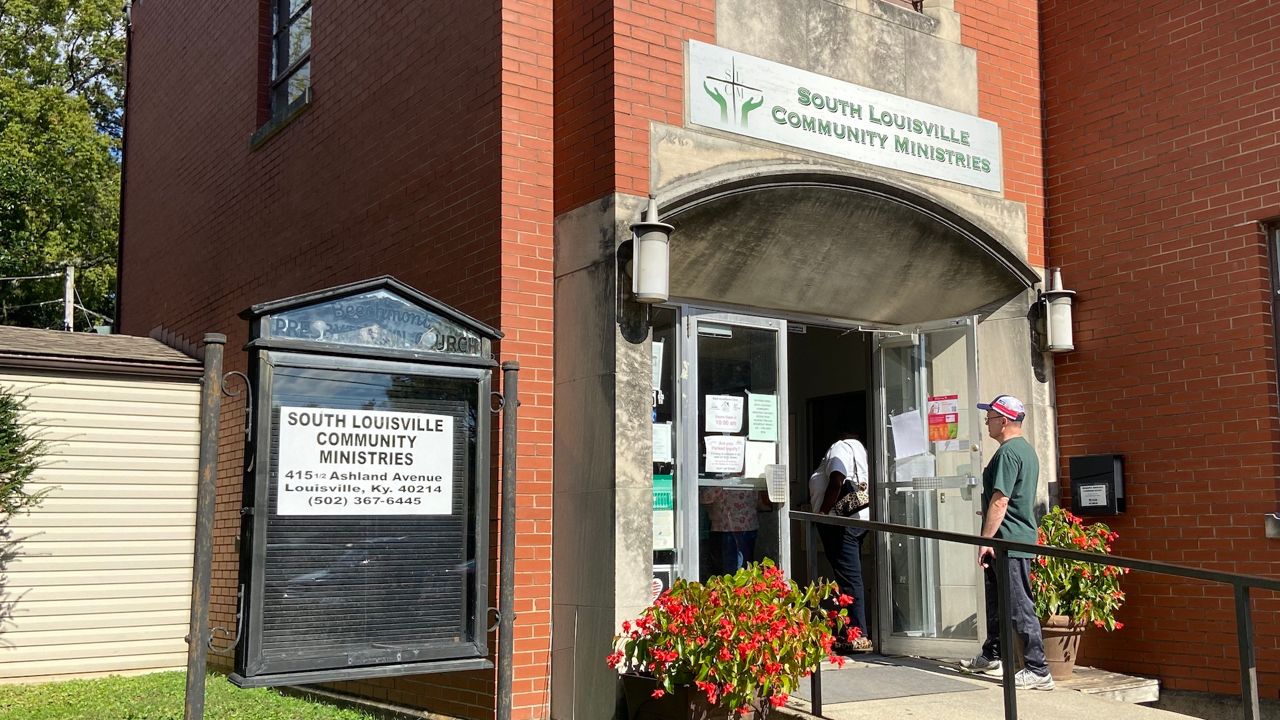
(1071, 595)
(733, 647)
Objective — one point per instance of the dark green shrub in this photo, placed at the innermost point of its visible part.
(21, 452)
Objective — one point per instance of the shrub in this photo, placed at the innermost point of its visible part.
(1085, 592)
(20, 456)
(737, 638)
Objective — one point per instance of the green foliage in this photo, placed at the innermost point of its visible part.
(158, 696)
(1085, 592)
(739, 639)
(20, 455)
(61, 99)
(77, 46)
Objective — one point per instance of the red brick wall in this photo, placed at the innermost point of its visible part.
(1162, 159)
(1007, 40)
(584, 129)
(425, 154)
(602, 130)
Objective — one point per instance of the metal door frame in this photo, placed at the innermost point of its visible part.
(910, 335)
(687, 449)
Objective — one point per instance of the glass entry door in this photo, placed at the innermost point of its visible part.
(928, 440)
(733, 397)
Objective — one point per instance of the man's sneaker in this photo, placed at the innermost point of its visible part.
(1024, 679)
(982, 664)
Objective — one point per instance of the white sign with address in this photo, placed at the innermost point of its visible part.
(750, 96)
(335, 461)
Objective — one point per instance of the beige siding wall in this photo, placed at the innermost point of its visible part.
(98, 577)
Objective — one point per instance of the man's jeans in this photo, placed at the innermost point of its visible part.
(843, 546)
(1022, 613)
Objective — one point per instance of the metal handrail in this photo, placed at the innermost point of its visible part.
(1240, 583)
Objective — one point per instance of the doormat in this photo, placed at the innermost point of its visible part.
(877, 682)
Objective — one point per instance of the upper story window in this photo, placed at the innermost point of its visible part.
(290, 55)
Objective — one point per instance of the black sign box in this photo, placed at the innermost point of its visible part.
(1097, 485)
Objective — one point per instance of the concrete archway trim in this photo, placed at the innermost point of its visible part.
(839, 246)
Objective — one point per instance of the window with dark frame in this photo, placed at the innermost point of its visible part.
(290, 56)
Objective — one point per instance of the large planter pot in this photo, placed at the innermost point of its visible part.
(686, 703)
(1062, 639)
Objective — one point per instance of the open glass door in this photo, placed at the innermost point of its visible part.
(733, 394)
(928, 441)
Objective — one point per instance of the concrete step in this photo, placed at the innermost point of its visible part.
(1112, 685)
(1098, 693)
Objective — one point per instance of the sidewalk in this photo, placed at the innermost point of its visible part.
(952, 695)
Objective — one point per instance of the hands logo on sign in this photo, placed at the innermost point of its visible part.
(736, 90)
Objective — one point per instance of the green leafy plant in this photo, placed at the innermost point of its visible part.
(1088, 593)
(20, 457)
(738, 639)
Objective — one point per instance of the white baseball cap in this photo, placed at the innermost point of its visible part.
(1007, 405)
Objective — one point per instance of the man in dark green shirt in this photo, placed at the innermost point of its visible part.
(1008, 499)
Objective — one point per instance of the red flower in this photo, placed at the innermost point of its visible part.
(753, 630)
(843, 600)
(659, 693)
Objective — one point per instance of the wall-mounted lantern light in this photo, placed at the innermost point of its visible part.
(650, 265)
(1055, 308)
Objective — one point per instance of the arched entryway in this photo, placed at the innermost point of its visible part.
(803, 305)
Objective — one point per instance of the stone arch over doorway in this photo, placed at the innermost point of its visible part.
(838, 246)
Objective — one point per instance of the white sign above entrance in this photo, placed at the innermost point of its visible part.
(335, 461)
(749, 96)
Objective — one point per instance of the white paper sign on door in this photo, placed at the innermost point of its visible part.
(657, 364)
(662, 443)
(759, 455)
(337, 461)
(725, 453)
(762, 417)
(908, 434)
(664, 529)
(723, 413)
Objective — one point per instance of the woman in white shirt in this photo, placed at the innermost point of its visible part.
(846, 458)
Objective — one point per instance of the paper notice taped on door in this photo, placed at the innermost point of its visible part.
(723, 413)
(908, 434)
(725, 453)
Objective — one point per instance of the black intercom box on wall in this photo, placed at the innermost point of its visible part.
(1097, 485)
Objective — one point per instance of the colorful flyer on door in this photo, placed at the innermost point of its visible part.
(723, 413)
(725, 453)
(944, 417)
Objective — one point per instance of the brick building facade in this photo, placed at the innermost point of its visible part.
(492, 155)
(1163, 164)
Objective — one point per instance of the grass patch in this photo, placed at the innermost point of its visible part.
(158, 696)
